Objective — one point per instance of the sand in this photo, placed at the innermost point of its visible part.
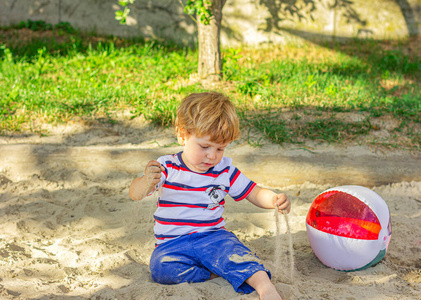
(68, 229)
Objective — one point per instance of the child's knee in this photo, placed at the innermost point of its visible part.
(161, 267)
(166, 269)
(165, 273)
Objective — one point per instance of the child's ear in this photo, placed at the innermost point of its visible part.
(181, 136)
(180, 140)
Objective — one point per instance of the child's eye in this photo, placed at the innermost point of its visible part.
(204, 147)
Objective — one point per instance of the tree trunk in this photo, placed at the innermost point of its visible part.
(409, 16)
(210, 64)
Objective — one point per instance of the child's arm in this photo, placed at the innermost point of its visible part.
(142, 186)
(266, 198)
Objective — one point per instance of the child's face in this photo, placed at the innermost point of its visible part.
(201, 154)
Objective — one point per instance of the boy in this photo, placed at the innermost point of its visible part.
(192, 244)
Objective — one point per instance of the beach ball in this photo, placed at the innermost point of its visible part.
(349, 228)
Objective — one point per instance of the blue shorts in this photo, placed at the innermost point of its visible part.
(192, 258)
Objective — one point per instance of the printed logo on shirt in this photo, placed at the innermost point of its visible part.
(216, 196)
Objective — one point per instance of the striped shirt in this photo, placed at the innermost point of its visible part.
(194, 202)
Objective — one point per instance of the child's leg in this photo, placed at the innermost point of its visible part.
(173, 262)
(260, 281)
(224, 255)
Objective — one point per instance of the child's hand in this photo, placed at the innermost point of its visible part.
(153, 173)
(144, 185)
(282, 202)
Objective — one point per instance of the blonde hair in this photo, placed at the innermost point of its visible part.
(209, 113)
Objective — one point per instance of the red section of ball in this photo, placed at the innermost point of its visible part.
(342, 214)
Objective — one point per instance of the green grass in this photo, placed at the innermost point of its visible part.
(57, 74)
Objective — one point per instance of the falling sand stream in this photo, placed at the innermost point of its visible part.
(278, 246)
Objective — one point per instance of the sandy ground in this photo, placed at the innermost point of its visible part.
(68, 229)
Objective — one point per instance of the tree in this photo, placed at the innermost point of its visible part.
(210, 62)
(208, 18)
(410, 18)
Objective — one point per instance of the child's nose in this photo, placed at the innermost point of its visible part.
(212, 154)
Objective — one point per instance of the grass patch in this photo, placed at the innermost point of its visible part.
(55, 74)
